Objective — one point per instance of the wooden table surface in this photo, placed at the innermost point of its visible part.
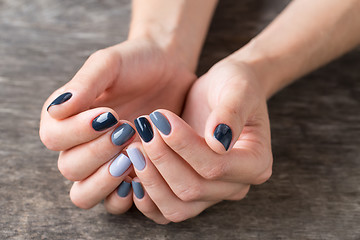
(314, 192)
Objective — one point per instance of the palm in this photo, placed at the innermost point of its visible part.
(148, 79)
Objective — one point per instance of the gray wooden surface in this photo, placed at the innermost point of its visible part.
(314, 192)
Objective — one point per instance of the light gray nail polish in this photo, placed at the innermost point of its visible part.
(138, 190)
(122, 134)
(124, 189)
(161, 122)
(119, 165)
(136, 158)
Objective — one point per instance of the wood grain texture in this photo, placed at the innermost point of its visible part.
(314, 192)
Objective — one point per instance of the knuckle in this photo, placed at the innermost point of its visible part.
(158, 157)
(104, 56)
(263, 177)
(68, 171)
(241, 194)
(49, 139)
(175, 216)
(189, 193)
(213, 172)
(179, 145)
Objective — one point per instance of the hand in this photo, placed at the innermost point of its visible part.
(122, 81)
(192, 165)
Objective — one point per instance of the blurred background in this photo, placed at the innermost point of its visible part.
(314, 192)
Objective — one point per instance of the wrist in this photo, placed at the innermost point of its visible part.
(268, 71)
(165, 39)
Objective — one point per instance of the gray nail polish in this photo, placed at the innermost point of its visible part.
(122, 134)
(124, 189)
(119, 165)
(138, 190)
(161, 122)
(136, 158)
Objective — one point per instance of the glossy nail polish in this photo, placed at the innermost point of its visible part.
(124, 189)
(138, 190)
(144, 129)
(161, 122)
(104, 121)
(60, 99)
(223, 134)
(136, 158)
(122, 134)
(119, 165)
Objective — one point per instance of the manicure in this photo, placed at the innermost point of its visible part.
(138, 190)
(144, 129)
(104, 121)
(122, 134)
(223, 134)
(124, 189)
(60, 99)
(119, 165)
(136, 158)
(161, 122)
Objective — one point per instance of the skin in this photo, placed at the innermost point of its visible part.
(234, 91)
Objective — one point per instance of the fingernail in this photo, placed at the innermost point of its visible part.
(144, 129)
(161, 122)
(136, 158)
(119, 165)
(223, 134)
(138, 190)
(60, 99)
(104, 121)
(124, 189)
(122, 134)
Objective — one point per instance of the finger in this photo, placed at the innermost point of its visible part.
(86, 194)
(183, 180)
(81, 161)
(120, 200)
(93, 78)
(244, 164)
(145, 205)
(64, 134)
(168, 203)
(234, 104)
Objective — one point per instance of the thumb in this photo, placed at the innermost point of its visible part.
(228, 117)
(94, 77)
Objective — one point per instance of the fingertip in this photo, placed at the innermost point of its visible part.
(221, 131)
(59, 107)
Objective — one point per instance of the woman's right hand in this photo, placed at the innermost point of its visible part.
(121, 82)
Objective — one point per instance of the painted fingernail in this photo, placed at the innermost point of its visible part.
(104, 121)
(136, 158)
(122, 134)
(60, 99)
(119, 165)
(144, 129)
(138, 190)
(161, 122)
(124, 189)
(223, 134)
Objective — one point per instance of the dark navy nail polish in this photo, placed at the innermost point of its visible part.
(223, 134)
(60, 99)
(122, 134)
(161, 122)
(104, 121)
(144, 129)
(124, 189)
(138, 190)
